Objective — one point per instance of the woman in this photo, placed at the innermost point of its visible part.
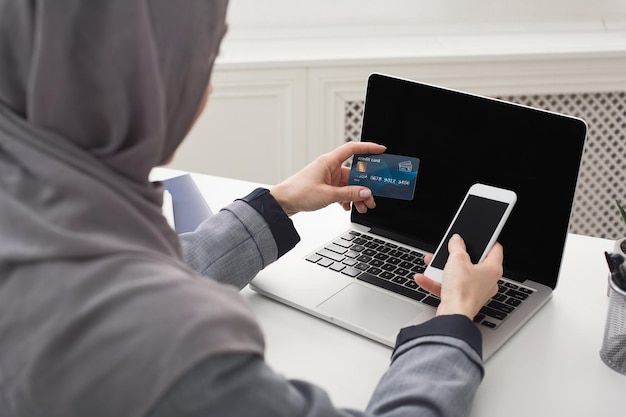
(99, 314)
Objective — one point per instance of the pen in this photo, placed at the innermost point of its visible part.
(617, 268)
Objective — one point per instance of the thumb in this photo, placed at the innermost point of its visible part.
(352, 193)
(456, 244)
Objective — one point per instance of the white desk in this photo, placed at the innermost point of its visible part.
(550, 367)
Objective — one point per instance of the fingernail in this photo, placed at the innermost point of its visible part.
(365, 192)
(455, 236)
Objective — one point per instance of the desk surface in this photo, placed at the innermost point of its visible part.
(550, 367)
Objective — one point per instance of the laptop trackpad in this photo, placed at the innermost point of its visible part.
(372, 310)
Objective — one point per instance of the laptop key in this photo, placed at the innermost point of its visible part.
(357, 248)
(325, 262)
(336, 248)
(407, 257)
(364, 258)
(337, 266)
(350, 271)
(401, 271)
(330, 254)
(399, 280)
(379, 282)
(405, 265)
(513, 301)
(431, 301)
(492, 312)
(410, 275)
(418, 269)
(350, 262)
(371, 245)
(374, 271)
(478, 318)
(387, 275)
(388, 267)
(500, 297)
(517, 295)
(362, 266)
(505, 308)
(313, 258)
(411, 284)
(343, 243)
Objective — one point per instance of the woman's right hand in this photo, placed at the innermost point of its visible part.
(465, 287)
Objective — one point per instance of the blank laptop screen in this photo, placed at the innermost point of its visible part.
(461, 139)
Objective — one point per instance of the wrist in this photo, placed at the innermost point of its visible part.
(280, 194)
(451, 308)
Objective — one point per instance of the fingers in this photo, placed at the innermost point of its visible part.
(496, 254)
(360, 207)
(428, 284)
(493, 261)
(344, 194)
(344, 176)
(361, 197)
(354, 194)
(346, 150)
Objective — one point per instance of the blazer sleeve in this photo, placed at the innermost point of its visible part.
(233, 245)
(431, 374)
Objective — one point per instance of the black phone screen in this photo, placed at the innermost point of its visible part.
(478, 219)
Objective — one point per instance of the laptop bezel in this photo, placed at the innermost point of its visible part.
(379, 81)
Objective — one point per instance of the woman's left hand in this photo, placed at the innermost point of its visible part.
(325, 181)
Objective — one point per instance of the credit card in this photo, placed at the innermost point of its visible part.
(387, 175)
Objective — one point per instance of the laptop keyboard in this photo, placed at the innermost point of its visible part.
(391, 266)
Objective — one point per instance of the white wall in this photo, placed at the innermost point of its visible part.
(246, 14)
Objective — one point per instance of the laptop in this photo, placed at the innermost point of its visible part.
(183, 204)
(360, 278)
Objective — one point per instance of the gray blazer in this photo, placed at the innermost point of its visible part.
(232, 246)
(431, 373)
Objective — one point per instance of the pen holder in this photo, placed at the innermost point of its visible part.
(613, 351)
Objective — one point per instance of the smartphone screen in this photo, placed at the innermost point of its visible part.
(475, 223)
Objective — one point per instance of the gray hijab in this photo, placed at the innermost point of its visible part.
(98, 314)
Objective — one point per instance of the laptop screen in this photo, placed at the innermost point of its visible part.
(462, 139)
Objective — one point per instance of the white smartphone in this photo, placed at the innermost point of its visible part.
(478, 221)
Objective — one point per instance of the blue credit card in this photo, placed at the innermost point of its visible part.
(387, 175)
